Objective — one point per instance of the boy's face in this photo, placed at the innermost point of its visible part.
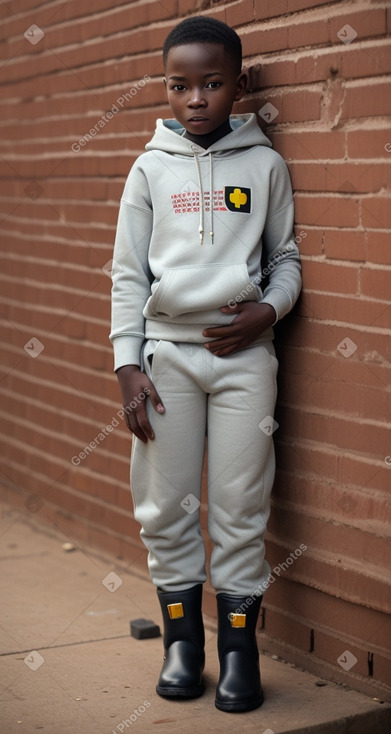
(202, 86)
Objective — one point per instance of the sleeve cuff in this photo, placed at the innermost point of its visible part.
(127, 350)
(280, 300)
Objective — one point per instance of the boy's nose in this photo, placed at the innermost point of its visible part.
(196, 99)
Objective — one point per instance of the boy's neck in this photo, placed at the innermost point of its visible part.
(205, 141)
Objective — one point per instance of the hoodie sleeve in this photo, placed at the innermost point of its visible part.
(131, 274)
(280, 251)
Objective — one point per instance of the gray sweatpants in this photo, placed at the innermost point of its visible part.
(227, 398)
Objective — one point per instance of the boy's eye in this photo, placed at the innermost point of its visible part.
(209, 85)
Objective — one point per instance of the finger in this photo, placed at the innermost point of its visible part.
(137, 421)
(134, 427)
(230, 309)
(225, 351)
(217, 331)
(220, 344)
(220, 331)
(128, 423)
(156, 401)
(143, 422)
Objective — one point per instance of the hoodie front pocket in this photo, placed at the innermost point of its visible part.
(200, 288)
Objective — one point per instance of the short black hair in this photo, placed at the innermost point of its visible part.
(202, 29)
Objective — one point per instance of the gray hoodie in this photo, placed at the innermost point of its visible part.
(177, 260)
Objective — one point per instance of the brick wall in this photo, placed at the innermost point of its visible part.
(324, 67)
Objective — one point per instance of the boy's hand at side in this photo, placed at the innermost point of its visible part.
(252, 319)
(136, 388)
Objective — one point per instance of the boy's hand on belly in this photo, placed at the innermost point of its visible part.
(136, 389)
(250, 321)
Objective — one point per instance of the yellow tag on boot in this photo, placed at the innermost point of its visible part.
(237, 620)
(175, 610)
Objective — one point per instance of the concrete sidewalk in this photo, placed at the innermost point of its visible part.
(70, 666)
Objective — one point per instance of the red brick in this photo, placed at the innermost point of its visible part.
(376, 212)
(345, 309)
(368, 477)
(379, 250)
(292, 107)
(310, 241)
(366, 100)
(264, 40)
(333, 573)
(382, 668)
(335, 211)
(366, 23)
(346, 62)
(313, 606)
(271, 8)
(239, 13)
(369, 144)
(309, 146)
(270, 72)
(342, 244)
(300, 106)
(336, 431)
(339, 177)
(186, 7)
(331, 648)
(341, 502)
(376, 283)
(371, 59)
(303, 34)
(327, 277)
(285, 628)
(338, 396)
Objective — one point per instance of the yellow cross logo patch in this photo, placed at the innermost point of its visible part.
(237, 199)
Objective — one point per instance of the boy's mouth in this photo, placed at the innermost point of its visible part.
(197, 118)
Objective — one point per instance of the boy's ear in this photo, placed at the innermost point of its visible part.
(241, 85)
(165, 81)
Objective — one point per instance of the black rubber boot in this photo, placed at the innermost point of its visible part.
(184, 640)
(239, 687)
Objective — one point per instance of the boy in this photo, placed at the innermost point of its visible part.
(192, 336)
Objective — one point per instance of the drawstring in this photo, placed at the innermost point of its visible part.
(201, 194)
(211, 195)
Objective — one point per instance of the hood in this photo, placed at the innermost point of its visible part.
(245, 133)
